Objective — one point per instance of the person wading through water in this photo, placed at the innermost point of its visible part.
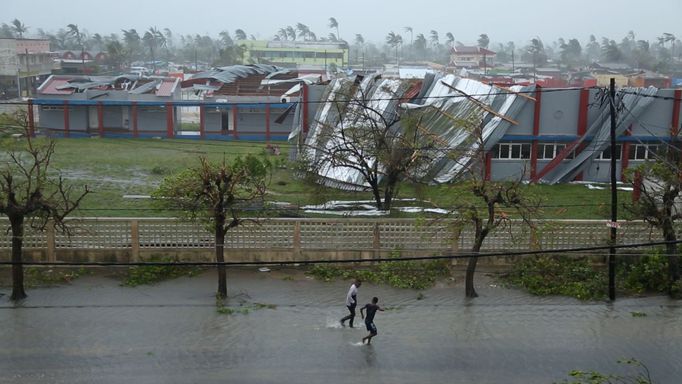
(351, 302)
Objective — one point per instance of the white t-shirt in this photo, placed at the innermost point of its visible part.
(351, 296)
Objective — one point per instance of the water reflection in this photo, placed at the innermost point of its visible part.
(98, 331)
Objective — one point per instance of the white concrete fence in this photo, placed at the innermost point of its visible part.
(297, 236)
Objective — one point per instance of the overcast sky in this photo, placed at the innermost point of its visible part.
(502, 20)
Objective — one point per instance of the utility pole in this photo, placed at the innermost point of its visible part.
(614, 194)
(28, 76)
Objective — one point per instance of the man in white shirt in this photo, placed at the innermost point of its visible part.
(351, 302)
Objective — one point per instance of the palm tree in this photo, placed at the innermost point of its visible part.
(394, 40)
(19, 28)
(282, 33)
(117, 53)
(410, 31)
(360, 41)
(226, 39)
(450, 39)
(132, 41)
(78, 35)
(332, 37)
(334, 24)
(303, 30)
(434, 38)
(239, 34)
(483, 40)
(420, 44)
(291, 32)
(155, 39)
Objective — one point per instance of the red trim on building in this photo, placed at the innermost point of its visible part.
(267, 123)
(235, 117)
(582, 122)
(133, 107)
(100, 119)
(536, 133)
(66, 118)
(624, 152)
(202, 121)
(31, 119)
(675, 129)
(170, 131)
(488, 166)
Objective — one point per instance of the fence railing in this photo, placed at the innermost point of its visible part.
(323, 234)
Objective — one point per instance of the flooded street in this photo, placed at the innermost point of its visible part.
(96, 331)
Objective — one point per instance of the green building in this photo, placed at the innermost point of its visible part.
(295, 53)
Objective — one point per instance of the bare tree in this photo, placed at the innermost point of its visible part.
(385, 148)
(29, 194)
(213, 193)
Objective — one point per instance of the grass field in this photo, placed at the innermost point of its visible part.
(113, 168)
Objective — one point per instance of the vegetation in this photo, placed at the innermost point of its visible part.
(244, 308)
(212, 192)
(641, 375)
(582, 278)
(660, 186)
(44, 277)
(150, 274)
(137, 167)
(399, 274)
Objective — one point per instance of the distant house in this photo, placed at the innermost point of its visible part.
(99, 105)
(23, 64)
(471, 57)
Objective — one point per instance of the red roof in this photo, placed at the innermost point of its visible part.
(51, 84)
(167, 86)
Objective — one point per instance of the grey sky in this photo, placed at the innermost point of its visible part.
(502, 20)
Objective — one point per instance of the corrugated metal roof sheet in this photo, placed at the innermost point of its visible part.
(54, 86)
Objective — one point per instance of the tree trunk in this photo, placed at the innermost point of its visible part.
(671, 252)
(18, 292)
(377, 195)
(470, 291)
(220, 258)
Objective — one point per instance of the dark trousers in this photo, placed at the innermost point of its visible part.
(351, 309)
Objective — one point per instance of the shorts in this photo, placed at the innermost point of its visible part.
(371, 327)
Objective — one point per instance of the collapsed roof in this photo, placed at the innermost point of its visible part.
(240, 80)
(446, 100)
(133, 84)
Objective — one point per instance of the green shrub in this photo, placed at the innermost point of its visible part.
(558, 275)
(399, 274)
(648, 274)
(150, 274)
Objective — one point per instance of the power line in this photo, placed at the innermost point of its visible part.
(327, 261)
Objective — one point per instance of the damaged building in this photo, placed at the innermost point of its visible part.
(528, 132)
(120, 105)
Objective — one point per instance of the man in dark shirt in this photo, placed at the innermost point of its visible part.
(372, 309)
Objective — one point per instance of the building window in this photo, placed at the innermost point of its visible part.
(510, 151)
(606, 154)
(643, 152)
(52, 108)
(548, 151)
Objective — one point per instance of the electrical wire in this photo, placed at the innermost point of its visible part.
(346, 261)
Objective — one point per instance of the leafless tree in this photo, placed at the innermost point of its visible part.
(29, 193)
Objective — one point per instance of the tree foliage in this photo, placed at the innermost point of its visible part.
(214, 193)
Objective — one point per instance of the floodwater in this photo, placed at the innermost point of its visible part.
(95, 331)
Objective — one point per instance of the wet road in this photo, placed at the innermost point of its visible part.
(95, 331)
